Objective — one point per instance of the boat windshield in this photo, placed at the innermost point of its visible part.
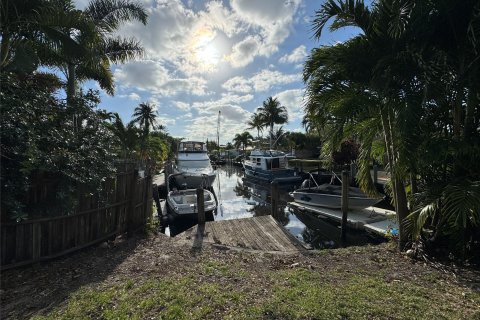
(194, 163)
(192, 147)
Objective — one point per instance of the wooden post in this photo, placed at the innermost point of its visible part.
(200, 206)
(375, 174)
(353, 170)
(131, 206)
(345, 186)
(275, 197)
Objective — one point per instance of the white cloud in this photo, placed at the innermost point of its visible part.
(244, 52)
(166, 120)
(228, 104)
(238, 84)
(297, 55)
(152, 76)
(273, 17)
(260, 82)
(266, 79)
(133, 96)
(181, 105)
(293, 101)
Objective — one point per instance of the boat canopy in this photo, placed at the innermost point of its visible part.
(192, 146)
(267, 153)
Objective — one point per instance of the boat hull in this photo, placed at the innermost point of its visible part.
(280, 175)
(334, 201)
(184, 202)
(190, 180)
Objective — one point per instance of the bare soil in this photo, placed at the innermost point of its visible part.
(43, 287)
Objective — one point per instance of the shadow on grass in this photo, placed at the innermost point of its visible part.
(39, 288)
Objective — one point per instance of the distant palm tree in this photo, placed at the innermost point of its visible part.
(145, 116)
(272, 113)
(242, 140)
(256, 122)
(128, 136)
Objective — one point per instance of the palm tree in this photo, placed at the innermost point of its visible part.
(33, 32)
(354, 91)
(272, 113)
(242, 140)
(145, 115)
(101, 48)
(128, 136)
(394, 82)
(256, 122)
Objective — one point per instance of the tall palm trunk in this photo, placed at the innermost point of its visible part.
(472, 103)
(71, 85)
(271, 134)
(457, 107)
(4, 48)
(399, 195)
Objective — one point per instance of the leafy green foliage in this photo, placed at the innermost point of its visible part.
(40, 141)
(408, 88)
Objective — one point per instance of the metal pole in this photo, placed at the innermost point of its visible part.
(344, 206)
(275, 197)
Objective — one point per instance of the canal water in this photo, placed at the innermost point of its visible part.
(239, 197)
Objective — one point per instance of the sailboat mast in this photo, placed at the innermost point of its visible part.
(218, 132)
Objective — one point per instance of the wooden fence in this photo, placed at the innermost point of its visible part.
(127, 209)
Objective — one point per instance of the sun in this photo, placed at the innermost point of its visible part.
(204, 51)
(208, 55)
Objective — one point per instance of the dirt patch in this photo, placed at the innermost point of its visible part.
(40, 288)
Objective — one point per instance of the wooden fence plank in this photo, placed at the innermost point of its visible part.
(126, 208)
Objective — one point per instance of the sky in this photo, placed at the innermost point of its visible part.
(202, 57)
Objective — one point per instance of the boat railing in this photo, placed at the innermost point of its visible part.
(315, 181)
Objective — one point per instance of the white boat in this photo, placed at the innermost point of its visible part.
(270, 165)
(330, 196)
(184, 202)
(194, 166)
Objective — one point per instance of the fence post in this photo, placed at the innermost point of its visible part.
(353, 173)
(147, 180)
(200, 206)
(275, 197)
(131, 205)
(345, 186)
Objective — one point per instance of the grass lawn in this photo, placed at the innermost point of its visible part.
(158, 278)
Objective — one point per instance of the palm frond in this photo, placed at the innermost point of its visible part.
(120, 50)
(108, 14)
(345, 12)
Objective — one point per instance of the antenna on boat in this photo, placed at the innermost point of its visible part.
(218, 132)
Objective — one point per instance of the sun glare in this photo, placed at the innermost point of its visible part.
(208, 55)
(205, 53)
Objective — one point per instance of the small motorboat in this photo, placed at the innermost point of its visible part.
(184, 202)
(330, 196)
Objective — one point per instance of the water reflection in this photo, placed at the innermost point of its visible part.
(240, 197)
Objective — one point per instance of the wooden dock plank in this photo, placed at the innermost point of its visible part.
(258, 233)
(281, 234)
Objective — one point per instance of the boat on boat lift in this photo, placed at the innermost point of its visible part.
(184, 201)
(193, 165)
(330, 196)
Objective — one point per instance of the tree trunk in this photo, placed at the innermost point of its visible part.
(457, 107)
(472, 103)
(399, 195)
(4, 48)
(401, 209)
(71, 86)
(271, 134)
